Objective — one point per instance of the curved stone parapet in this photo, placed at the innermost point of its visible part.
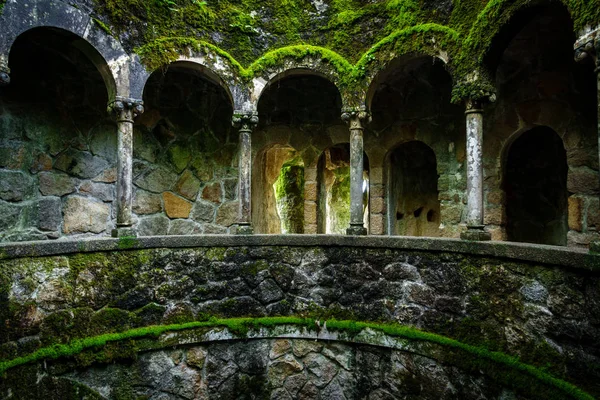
(537, 303)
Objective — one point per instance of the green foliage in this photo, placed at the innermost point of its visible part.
(508, 369)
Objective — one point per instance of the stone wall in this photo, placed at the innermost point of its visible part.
(545, 313)
(272, 369)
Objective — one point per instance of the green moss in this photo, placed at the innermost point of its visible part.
(103, 26)
(216, 253)
(502, 367)
(127, 242)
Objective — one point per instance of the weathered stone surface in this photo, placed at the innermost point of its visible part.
(107, 176)
(212, 193)
(179, 156)
(196, 356)
(157, 181)
(10, 215)
(15, 185)
(101, 191)
(203, 211)
(230, 189)
(182, 227)
(82, 215)
(43, 162)
(279, 348)
(80, 164)
(49, 214)
(188, 185)
(228, 213)
(153, 225)
(582, 180)
(14, 156)
(56, 184)
(146, 202)
(575, 213)
(175, 206)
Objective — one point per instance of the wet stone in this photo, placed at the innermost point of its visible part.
(56, 184)
(15, 185)
(83, 215)
(80, 164)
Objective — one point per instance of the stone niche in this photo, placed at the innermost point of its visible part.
(414, 208)
(57, 143)
(185, 156)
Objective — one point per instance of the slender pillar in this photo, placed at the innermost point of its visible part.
(245, 122)
(356, 121)
(475, 226)
(585, 49)
(125, 111)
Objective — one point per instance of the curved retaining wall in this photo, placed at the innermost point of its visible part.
(539, 303)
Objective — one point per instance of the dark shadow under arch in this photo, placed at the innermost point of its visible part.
(535, 184)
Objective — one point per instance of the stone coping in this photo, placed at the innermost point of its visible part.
(544, 254)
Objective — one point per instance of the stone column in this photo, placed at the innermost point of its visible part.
(125, 111)
(356, 120)
(245, 122)
(475, 226)
(589, 47)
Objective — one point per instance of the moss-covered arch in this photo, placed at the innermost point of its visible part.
(106, 53)
(197, 65)
(498, 13)
(437, 41)
(387, 70)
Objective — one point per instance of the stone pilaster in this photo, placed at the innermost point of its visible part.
(125, 110)
(356, 120)
(475, 226)
(588, 47)
(245, 123)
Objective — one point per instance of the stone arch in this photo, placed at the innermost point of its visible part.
(261, 85)
(390, 68)
(413, 206)
(494, 22)
(278, 190)
(535, 187)
(333, 190)
(198, 66)
(119, 71)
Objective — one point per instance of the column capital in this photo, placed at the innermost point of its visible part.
(356, 118)
(4, 75)
(120, 104)
(244, 120)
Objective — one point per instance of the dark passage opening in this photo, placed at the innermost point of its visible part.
(414, 208)
(535, 183)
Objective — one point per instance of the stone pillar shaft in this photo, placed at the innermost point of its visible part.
(474, 218)
(356, 120)
(474, 167)
(124, 167)
(245, 122)
(126, 110)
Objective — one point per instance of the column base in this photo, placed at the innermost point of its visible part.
(123, 231)
(356, 230)
(245, 229)
(476, 234)
(595, 247)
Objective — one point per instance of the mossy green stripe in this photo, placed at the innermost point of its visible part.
(241, 325)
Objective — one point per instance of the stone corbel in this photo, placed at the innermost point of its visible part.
(356, 119)
(244, 120)
(122, 105)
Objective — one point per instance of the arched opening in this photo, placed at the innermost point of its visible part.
(411, 105)
(299, 113)
(413, 204)
(278, 191)
(57, 143)
(185, 154)
(333, 179)
(535, 184)
(540, 85)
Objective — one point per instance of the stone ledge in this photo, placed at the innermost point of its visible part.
(554, 255)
